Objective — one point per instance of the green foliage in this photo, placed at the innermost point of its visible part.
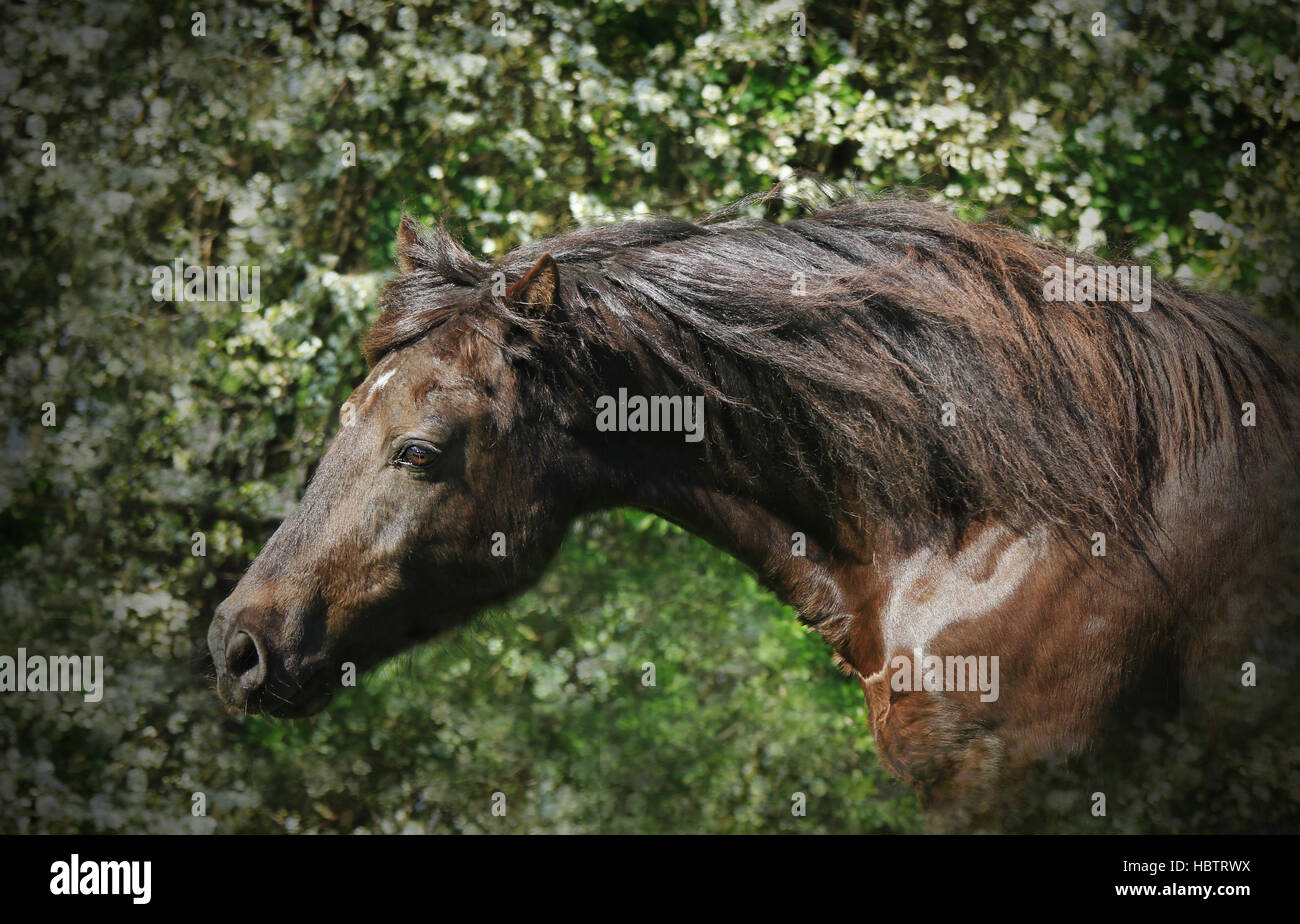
(174, 418)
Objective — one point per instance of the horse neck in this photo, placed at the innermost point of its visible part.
(813, 564)
(818, 554)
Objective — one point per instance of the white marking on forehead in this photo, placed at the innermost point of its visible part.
(382, 381)
(354, 407)
(930, 590)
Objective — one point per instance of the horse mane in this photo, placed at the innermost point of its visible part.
(1066, 412)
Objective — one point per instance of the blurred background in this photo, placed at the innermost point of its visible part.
(291, 137)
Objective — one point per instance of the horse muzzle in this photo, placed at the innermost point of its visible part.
(252, 675)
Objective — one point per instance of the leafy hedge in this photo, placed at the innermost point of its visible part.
(228, 148)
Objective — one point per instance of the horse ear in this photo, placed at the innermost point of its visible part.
(408, 244)
(534, 294)
(434, 250)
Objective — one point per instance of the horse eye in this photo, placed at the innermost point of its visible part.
(416, 455)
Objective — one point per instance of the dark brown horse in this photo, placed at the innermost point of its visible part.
(1020, 515)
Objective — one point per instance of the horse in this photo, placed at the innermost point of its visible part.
(1022, 517)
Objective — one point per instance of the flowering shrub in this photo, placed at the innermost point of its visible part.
(292, 138)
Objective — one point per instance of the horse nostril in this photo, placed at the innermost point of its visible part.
(244, 660)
